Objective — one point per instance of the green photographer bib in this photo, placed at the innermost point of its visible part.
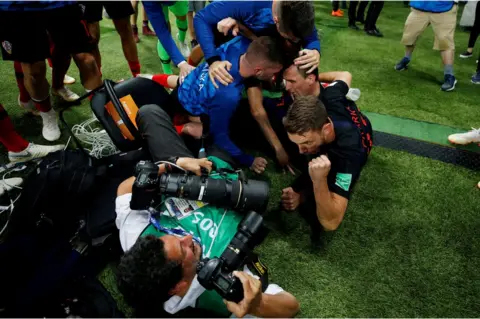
(214, 226)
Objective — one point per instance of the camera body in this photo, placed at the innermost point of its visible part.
(217, 273)
(145, 187)
(240, 194)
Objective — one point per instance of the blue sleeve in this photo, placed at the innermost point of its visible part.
(205, 21)
(157, 19)
(220, 117)
(312, 42)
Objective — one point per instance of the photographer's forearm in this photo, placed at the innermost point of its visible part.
(255, 99)
(281, 305)
(330, 207)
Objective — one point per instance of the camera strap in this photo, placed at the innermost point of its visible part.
(258, 268)
(172, 231)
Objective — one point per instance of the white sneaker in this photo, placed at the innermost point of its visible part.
(353, 94)
(50, 131)
(472, 136)
(28, 106)
(33, 151)
(184, 48)
(68, 79)
(66, 94)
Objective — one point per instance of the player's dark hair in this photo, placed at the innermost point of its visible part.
(306, 113)
(297, 18)
(145, 276)
(266, 49)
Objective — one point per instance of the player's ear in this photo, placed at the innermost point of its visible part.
(327, 128)
(311, 78)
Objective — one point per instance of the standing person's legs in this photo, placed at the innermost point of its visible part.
(372, 17)
(335, 5)
(60, 63)
(193, 6)
(153, 122)
(120, 12)
(24, 99)
(444, 25)
(361, 11)
(475, 30)
(476, 76)
(92, 14)
(417, 22)
(70, 35)
(133, 20)
(373, 14)
(145, 28)
(352, 12)
(180, 10)
(24, 38)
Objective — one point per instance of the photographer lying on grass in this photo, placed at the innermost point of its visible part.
(338, 137)
(158, 271)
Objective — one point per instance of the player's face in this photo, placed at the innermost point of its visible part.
(295, 84)
(308, 142)
(183, 250)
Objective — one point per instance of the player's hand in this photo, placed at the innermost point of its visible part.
(252, 296)
(185, 69)
(283, 160)
(218, 70)
(319, 167)
(290, 199)
(226, 25)
(194, 165)
(308, 59)
(259, 165)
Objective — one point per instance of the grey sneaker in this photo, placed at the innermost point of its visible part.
(403, 64)
(449, 83)
(476, 78)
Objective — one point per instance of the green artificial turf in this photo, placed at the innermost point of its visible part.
(409, 244)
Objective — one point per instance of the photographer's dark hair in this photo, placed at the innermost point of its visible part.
(145, 276)
(297, 18)
(306, 113)
(266, 49)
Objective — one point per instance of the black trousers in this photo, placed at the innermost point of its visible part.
(475, 29)
(335, 5)
(163, 141)
(373, 14)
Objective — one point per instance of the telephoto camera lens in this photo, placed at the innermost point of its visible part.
(243, 196)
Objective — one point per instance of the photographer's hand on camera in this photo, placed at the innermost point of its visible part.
(252, 291)
(194, 165)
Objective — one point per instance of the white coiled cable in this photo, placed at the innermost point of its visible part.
(97, 140)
